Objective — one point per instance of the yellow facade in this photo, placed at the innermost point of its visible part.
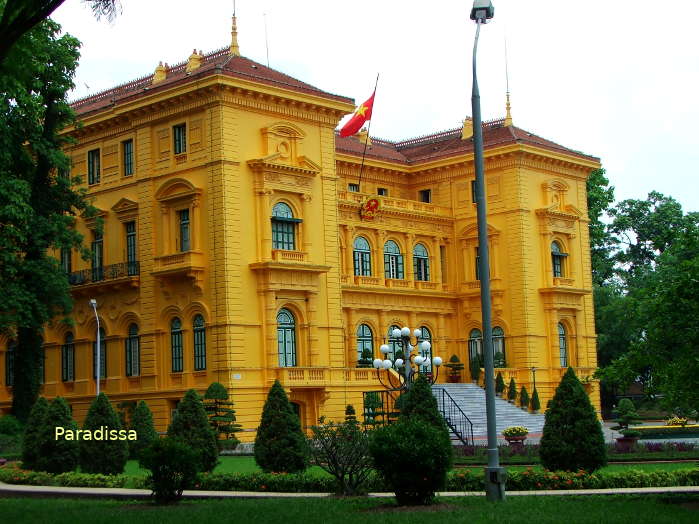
(253, 139)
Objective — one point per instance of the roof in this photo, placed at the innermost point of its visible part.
(448, 143)
(217, 62)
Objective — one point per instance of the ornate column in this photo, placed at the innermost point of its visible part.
(306, 199)
(314, 350)
(409, 265)
(436, 261)
(349, 256)
(197, 230)
(270, 337)
(165, 226)
(264, 197)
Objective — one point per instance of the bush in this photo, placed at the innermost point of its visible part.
(102, 456)
(512, 390)
(142, 423)
(350, 414)
(475, 369)
(572, 437)
(524, 397)
(413, 458)
(221, 413)
(419, 402)
(173, 468)
(626, 415)
(343, 451)
(32, 433)
(191, 427)
(280, 445)
(365, 361)
(499, 384)
(57, 455)
(455, 367)
(536, 404)
(9, 425)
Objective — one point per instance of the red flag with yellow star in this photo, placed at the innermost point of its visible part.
(361, 115)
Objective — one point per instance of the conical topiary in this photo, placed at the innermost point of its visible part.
(419, 402)
(536, 403)
(142, 423)
(104, 456)
(280, 445)
(32, 431)
(58, 452)
(512, 390)
(572, 438)
(191, 426)
(499, 384)
(524, 397)
(350, 414)
(221, 414)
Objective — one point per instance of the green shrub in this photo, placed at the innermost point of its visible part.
(626, 415)
(512, 390)
(365, 361)
(572, 437)
(455, 367)
(475, 369)
(280, 445)
(142, 423)
(350, 414)
(499, 384)
(9, 425)
(221, 413)
(57, 455)
(536, 404)
(191, 427)
(413, 458)
(102, 456)
(32, 433)
(667, 431)
(419, 402)
(524, 397)
(173, 468)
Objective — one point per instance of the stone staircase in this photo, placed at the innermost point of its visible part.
(471, 399)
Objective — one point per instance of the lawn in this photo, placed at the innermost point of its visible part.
(590, 509)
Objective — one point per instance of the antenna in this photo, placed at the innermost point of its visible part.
(264, 17)
(508, 116)
(233, 7)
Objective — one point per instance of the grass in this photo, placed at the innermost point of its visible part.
(590, 509)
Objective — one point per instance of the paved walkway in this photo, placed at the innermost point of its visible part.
(16, 490)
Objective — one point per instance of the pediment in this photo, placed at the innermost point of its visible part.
(124, 206)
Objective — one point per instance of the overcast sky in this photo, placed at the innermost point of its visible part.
(614, 79)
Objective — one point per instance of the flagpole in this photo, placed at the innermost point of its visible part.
(366, 142)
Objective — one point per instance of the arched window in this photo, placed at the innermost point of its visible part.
(199, 343)
(68, 358)
(426, 335)
(10, 363)
(133, 352)
(283, 227)
(286, 338)
(393, 343)
(103, 356)
(557, 259)
(563, 345)
(176, 345)
(499, 360)
(362, 257)
(365, 345)
(475, 345)
(421, 263)
(393, 260)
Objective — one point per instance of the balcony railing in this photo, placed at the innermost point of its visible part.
(104, 273)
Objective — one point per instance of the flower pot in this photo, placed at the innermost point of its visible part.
(516, 443)
(625, 444)
(454, 379)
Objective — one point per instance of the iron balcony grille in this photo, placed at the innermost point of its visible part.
(103, 273)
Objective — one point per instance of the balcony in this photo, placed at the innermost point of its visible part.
(282, 255)
(320, 377)
(398, 205)
(114, 275)
(188, 264)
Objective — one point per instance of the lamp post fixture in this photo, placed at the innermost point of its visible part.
(98, 375)
(495, 475)
(408, 367)
(534, 376)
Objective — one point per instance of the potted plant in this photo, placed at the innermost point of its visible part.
(455, 367)
(475, 370)
(515, 437)
(676, 421)
(499, 384)
(626, 415)
(512, 391)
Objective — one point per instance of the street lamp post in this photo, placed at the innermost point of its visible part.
(407, 373)
(534, 377)
(495, 475)
(93, 303)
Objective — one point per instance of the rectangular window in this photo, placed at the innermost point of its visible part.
(177, 359)
(66, 262)
(97, 257)
(127, 157)
(180, 136)
(362, 263)
(131, 261)
(443, 262)
(382, 191)
(133, 356)
(199, 349)
(557, 265)
(354, 188)
(473, 191)
(10, 365)
(283, 234)
(393, 266)
(68, 362)
(425, 195)
(103, 357)
(183, 215)
(93, 166)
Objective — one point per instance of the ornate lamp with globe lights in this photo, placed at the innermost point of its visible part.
(407, 368)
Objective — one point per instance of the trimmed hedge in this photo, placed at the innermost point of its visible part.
(667, 431)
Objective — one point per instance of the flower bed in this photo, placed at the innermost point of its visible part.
(690, 430)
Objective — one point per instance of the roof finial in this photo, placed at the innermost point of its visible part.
(235, 49)
(467, 129)
(508, 116)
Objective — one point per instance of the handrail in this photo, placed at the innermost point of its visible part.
(101, 273)
(455, 418)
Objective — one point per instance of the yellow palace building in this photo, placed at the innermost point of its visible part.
(233, 248)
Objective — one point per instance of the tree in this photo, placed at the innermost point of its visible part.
(142, 423)
(524, 397)
(173, 468)
(280, 445)
(419, 402)
(499, 383)
(191, 426)
(350, 414)
(37, 207)
(512, 390)
(20, 16)
(107, 457)
(221, 413)
(32, 431)
(626, 415)
(572, 437)
(57, 455)
(600, 196)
